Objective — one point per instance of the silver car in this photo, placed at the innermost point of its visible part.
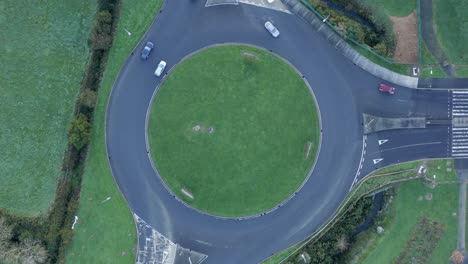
(272, 29)
(160, 69)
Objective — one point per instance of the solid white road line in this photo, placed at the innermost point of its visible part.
(413, 145)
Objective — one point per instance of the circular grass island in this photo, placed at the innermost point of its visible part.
(233, 131)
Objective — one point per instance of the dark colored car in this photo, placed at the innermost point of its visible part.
(147, 50)
(386, 89)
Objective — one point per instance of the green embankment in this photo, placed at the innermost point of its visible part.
(106, 232)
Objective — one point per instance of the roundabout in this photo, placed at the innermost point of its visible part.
(343, 93)
(233, 131)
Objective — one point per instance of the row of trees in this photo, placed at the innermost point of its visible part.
(79, 130)
(61, 217)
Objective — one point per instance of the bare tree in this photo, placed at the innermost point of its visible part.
(32, 252)
(29, 251)
(6, 231)
(342, 244)
(457, 257)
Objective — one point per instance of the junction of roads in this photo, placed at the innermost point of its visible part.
(362, 130)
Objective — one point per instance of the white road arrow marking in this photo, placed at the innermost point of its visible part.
(377, 160)
(382, 141)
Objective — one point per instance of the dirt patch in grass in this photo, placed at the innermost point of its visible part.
(424, 239)
(406, 34)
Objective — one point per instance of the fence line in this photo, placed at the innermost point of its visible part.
(419, 32)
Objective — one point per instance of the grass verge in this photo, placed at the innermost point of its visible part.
(106, 232)
(462, 71)
(282, 255)
(240, 122)
(43, 58)
(404, 69)
(451, 26)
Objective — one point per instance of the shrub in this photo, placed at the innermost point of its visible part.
(88, 98)
(79, 131)
(380, 48)
(102, 32)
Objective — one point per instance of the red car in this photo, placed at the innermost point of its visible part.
(386, 89)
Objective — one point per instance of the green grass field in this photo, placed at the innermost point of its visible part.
(451, 25)
(43, 56)
(462, 71)
(105, 230)
(399, 8)
(403, 222)
(263, 116)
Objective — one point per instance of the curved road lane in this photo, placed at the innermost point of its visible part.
(343, 92)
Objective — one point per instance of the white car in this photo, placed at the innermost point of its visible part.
(272, 29)
(160, 69)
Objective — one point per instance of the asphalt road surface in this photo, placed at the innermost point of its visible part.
(343, 91)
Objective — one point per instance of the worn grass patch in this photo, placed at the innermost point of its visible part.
(423, 240)
(106, 232)
(43, 55)
(233, 131)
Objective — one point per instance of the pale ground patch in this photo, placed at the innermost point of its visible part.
(308, 148)
(275, 4)
(187, 193)
(406, 34)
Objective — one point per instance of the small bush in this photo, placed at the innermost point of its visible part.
(88, 98)
(79, 131)
(101, 37)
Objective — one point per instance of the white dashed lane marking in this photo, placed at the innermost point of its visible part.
(361, 162)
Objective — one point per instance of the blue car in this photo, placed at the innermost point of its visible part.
(147, 50)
